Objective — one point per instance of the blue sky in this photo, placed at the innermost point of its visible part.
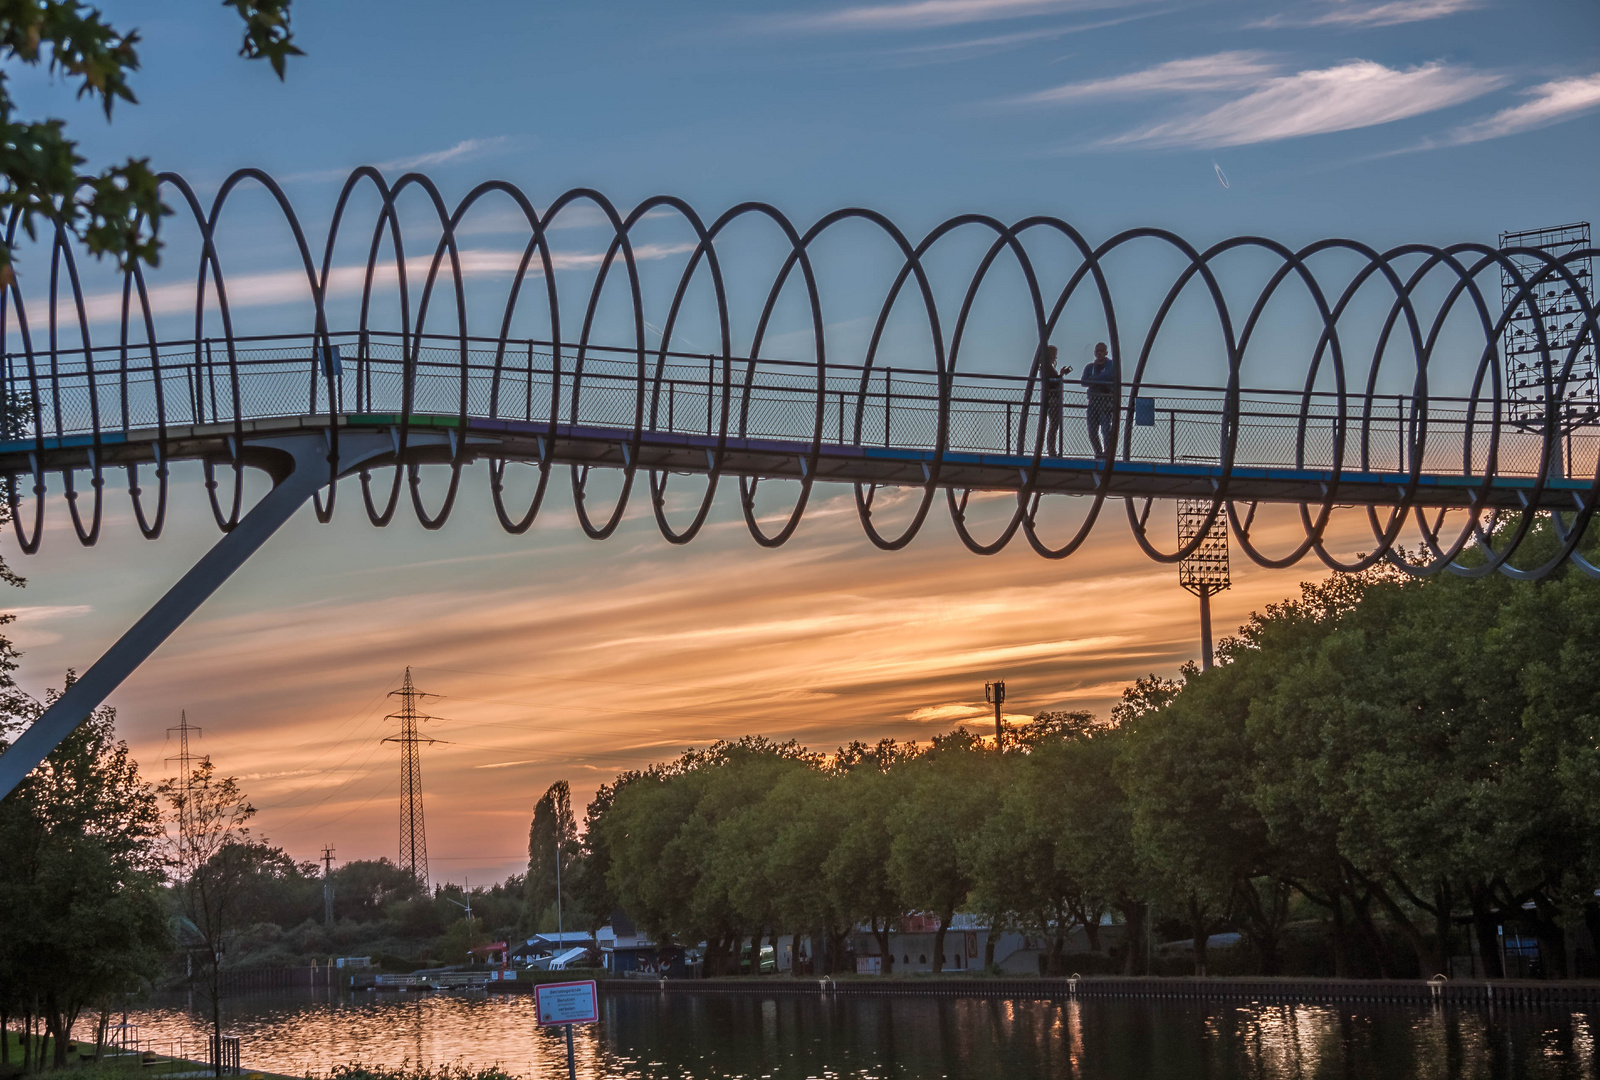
(1405, 119)
(1431, 120)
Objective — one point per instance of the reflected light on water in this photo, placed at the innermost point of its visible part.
(789, 1037)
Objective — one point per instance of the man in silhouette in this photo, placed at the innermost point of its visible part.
(1101, 381)
(1050, 399)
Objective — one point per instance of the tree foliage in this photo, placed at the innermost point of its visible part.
(212, 860)
(81, 914)
(1398, 768)
(552, 848)
(116, 211)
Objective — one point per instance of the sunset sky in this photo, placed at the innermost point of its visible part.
(557, 657)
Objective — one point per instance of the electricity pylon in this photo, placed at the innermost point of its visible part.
(413, 838)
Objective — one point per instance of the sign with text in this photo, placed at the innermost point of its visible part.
(566, 1002)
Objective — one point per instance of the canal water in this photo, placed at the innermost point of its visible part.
(705, 1036)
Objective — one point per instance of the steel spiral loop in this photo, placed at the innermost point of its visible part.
(88, 398)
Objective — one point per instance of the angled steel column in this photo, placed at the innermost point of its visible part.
(309, 472)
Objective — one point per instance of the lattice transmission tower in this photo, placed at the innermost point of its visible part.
(1533, 374)
(185, 767)
(1205, 571)
(184, 759)
(413, 837)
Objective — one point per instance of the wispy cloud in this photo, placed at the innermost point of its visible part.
(923, 14)
(291, 286)
(1550, 103)
(33, 623)
(1344, 13)
(1219, 71)
(965, 48)
(465, 150)
(949, 713)
(45, 612)
(1357, 94)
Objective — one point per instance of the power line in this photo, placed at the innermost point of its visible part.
(646, 685)
(362, 772)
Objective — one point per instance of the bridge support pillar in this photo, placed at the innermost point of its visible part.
(307, 473)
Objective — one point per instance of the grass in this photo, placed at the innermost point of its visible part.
(82, 1066)
(133, 1068)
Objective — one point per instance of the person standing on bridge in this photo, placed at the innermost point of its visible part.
(1104, 387)
(1050, 399)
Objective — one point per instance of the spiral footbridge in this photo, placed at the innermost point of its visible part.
(393, 368)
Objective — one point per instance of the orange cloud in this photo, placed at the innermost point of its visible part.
(559, 658)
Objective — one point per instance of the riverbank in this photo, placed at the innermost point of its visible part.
(115, 1063)
(1506, 993)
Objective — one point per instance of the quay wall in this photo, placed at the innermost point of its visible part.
(1508, 993)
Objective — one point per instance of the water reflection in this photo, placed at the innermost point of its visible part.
(714, 1036)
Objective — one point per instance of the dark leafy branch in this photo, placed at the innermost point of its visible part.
(117, 211)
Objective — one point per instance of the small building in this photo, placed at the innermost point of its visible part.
(625, 951)
(965, 946)
(541, 950)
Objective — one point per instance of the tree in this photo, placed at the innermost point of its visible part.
(118, 211)
(81, 917)
(865, 789)
(552, 846)
(679, 844)
(1185, 769)
(364, 889)
(211, 863)
(950, 790)
(1060, 851)
(592, 893)
(460, 938)
(1017, 879)
(792, 837)
(275, 887)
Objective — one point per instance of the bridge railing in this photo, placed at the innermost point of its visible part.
(183, 383)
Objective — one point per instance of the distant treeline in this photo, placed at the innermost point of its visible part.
(1385, 765)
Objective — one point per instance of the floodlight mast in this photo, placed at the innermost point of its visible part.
(1205, 571)
(1543, 327)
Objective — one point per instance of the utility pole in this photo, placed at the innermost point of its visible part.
(558, 882)
(413, 837)
(995, 692)
(1205, 571)
(327, 885)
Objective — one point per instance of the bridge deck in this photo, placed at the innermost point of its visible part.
(604, 446)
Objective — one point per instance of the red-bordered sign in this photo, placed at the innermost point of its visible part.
(566, 1002)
